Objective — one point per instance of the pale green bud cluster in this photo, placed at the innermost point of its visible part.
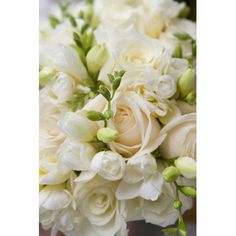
(96, 57)
(107, 135)
(170, 174)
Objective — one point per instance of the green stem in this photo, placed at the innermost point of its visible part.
(105, 123)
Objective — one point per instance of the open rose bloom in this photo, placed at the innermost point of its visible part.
(117, 116)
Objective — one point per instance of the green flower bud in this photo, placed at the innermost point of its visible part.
(177, 53)
(45, 74)
(188, 191)
(96, 58)
(191, 98)
(186, 166)
(170, 174)
(94, 115)
(187, 83)
(107, 135)
(105, 92)
(177, 204)
(116, 83)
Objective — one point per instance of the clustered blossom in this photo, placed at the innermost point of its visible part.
(117, 108)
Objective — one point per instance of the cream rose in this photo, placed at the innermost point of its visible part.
(49, 133)
(138, 130)
(101, 211)
(181, 137)
(141, 178)
(109, 165)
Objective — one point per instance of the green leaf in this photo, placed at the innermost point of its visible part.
(183, 36)
(177, 53)
(84, 27)
(111, 77)
(72, 21)
(121, 73)
(169, 230)
(77, 39)
(53, 21)
(184, 12)
(63, 6)
(116, 83)
(95, 115)
(188, 191)
(116, 73)
(80, 51)
(105, 92)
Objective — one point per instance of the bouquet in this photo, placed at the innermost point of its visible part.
(117, 101)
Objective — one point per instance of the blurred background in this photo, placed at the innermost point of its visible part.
(139, 228)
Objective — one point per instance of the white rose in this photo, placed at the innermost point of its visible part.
(63, 58)
(101, 211)
(137, 54)
(76, 155)
(181, 137)
(141, 178)
(51, 169)
(138, 130)
(166, 86)
(78, 126)
(59, 89)
(161, 211)
(109, 165)
(49, 133)
(56, 208)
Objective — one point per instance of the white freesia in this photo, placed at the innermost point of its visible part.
(109, 165)
(101, 211)
(56, 209)
(138, 130)
(51, 169)
(59, 89)
(62, 58)
(141, 178)
(49, 133)
(76, 155)
(161, 211)
(166, 86)
(78, 126)
(181, 137)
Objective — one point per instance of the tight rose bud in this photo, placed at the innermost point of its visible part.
(187, 83)
(96, 58)
(186, 166)
(107, 135)
(170, 174)
(45, 74)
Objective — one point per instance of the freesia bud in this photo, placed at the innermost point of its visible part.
(107, 135)
(170, 174)
(186, 166)
(187, 83)
(191, 98)
(188, 191)
(177, 204)
(45, 74)
(96, 58)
